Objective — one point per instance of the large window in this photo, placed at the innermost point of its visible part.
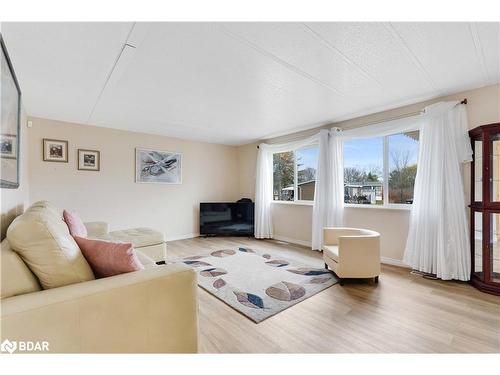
(294, 175)
(381, 170)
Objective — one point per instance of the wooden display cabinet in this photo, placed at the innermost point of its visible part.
(485, 208)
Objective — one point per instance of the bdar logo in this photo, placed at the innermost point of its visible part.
(8, 346)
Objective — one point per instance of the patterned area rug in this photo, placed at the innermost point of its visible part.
(257, 285)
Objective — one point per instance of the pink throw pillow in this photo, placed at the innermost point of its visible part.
(109, 258)
(75, 224)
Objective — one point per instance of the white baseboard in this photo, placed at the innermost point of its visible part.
(394, 262)
(292, 240)
(182, 237)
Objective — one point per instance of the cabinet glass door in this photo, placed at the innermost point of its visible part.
(495, 248)
(478, 243)
(478, 171)
(494, 168)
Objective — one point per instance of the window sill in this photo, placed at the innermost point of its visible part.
(400, 207)
(403, 207)
(295, 203)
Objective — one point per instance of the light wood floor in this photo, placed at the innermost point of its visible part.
(403, 313)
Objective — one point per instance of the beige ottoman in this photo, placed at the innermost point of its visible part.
(149, 241)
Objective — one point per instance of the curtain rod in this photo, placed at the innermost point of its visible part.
(398, 117)
(411, 114)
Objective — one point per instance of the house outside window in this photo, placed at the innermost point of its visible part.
(294, 175)
(381, 171)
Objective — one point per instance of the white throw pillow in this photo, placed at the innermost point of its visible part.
(42, 240)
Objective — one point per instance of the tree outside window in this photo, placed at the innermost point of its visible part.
(294, 174)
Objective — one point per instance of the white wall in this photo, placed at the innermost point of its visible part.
(293, 222)
(14, 201)
(209, 174)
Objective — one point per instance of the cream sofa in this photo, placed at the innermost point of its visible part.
(352, 252)
(153, 310)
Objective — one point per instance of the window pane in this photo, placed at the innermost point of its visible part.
(307, 161)
(403, 154)
(363, 166)
(283, 176)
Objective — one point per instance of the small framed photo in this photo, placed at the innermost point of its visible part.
(55, 150)
(89, 160)
(8, 146)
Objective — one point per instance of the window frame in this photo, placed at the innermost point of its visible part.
(295, 179)
(385, 184)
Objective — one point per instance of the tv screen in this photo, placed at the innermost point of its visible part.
(230, 219)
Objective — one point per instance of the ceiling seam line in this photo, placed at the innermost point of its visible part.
(413, 57)
(110, 74)
(341, 54)
(282, 62)
(105, 84)
(476, 40)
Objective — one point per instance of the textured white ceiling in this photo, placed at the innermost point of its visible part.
(238, 82)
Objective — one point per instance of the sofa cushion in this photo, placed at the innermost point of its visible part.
(16, 277)
(75, 224)
(109, 258)
(139, 237)
(331, 251)
(42, 239)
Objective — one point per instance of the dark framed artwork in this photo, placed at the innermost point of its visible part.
(55, 150)
(89, 160)
(10, 122)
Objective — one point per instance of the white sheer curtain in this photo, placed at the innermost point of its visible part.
(263, 193)
(328, 206)
(438, 238)
(264, 182)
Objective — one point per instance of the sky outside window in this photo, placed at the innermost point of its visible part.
(365, 154)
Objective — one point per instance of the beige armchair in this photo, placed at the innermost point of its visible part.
(352, 252)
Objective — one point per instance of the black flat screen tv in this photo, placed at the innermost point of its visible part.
(227, 219)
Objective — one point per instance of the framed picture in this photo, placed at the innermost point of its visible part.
(153, 166)
(8, 146)
(89, 160)
(10, 120)
(55, 150)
